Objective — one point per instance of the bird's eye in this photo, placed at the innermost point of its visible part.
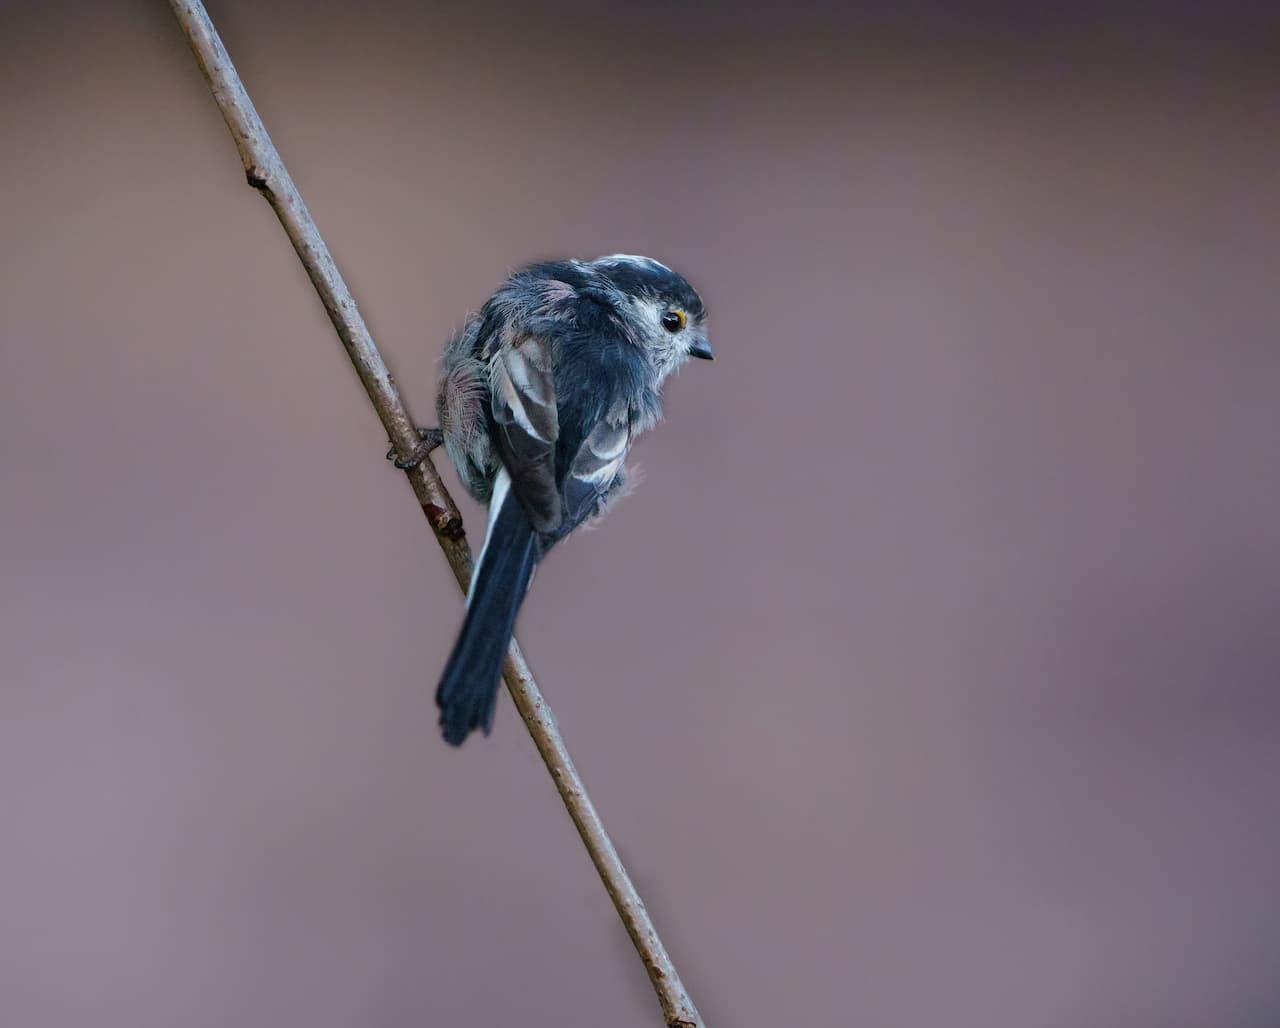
(673, 321)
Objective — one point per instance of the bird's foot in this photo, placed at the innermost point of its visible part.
(429, 439)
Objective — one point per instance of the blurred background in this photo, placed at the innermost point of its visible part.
(944, 687)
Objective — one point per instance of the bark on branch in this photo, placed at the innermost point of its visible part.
(265, 171)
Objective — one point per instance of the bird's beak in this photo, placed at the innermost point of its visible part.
(701, 348)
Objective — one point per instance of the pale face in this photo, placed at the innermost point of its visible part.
(670, 331)
(671, 334)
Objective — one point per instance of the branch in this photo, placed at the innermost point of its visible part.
(266, 172)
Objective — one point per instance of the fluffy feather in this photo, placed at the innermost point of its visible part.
(543, 392)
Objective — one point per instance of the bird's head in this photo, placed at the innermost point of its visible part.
(666, 315)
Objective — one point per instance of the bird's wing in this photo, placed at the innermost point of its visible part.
(597, 464)
(525, 415)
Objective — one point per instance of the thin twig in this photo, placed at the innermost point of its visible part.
(266, 172)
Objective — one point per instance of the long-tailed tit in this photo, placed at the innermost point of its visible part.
(543, 391)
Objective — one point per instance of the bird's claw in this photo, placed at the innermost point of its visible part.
(429, 439)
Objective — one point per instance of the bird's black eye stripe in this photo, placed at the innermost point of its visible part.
(673, 321)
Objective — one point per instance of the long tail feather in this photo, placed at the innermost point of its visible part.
(468, 689)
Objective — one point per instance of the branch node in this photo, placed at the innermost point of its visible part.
(443, 522)
(256, 177)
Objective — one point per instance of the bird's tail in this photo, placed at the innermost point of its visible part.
(468, 689)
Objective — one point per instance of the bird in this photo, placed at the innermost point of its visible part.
(541, 394)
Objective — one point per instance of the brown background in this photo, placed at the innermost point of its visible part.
(931, 678)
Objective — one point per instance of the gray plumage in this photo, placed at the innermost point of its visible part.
(542, 393)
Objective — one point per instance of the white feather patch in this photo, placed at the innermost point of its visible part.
(604, 474)
(501, 486)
